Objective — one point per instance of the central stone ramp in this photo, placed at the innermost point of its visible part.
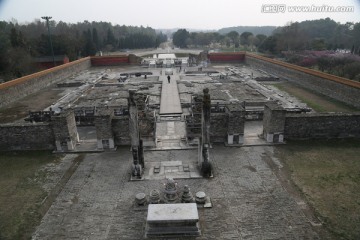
(170, 100)
(170, 130)
(170, 135)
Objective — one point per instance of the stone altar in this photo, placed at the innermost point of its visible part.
(172, 220)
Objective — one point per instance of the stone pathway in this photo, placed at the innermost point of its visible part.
(170, 130)
(248, 200)
(170, 100)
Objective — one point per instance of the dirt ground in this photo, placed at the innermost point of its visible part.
(316, 101)
(34, 102)
(30, 181)
(326, 174)
(21, 191)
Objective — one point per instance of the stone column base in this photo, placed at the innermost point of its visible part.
(235, 139)
(274, 137)
(105, 143)
(70, 146)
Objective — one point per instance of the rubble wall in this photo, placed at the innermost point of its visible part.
(64, 126)
(120, 128)
(335, 87)
(27, 136)
(274, 118)
(16, 89)
(219, 127)
(324, 125)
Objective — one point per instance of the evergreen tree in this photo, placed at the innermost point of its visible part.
(95, 38)
(233, 35)
(14, 38)
(89, 48)
(180, 38)
(110, 39)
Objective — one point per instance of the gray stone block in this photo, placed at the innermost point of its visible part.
(169, 220)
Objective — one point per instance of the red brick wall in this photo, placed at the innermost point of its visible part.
(50, 64)
(109, 60)
(227, 57)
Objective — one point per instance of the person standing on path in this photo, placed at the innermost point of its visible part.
(168, 77)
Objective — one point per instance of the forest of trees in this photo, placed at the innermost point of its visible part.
(246, 40)
(322, 34)
(20, 43)
(320, 44)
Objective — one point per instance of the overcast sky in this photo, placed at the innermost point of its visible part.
(198, 14)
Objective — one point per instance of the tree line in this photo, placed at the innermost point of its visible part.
(318, 35)
(321, 44)
(246, 40)
(322, 34)
(20, 43)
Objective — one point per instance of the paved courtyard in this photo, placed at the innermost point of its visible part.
(248, 200)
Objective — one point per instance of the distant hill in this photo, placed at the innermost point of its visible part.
(266, 30)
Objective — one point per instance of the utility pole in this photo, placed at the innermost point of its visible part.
(47, 18)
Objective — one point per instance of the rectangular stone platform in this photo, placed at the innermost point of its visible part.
(172, 220)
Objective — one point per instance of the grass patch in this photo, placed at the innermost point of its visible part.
(328, 175)
(21, 192)
(33, 102)
(316, 101)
